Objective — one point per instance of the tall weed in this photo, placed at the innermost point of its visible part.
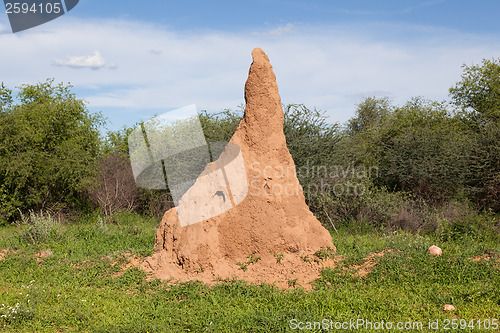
(37, 227)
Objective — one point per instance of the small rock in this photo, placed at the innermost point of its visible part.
(449, 307)
(435, 251)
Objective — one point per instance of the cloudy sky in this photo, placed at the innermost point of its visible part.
(133, 59)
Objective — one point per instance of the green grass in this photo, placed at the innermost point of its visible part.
(76, 289)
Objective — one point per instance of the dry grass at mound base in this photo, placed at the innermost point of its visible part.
(292, 270)
(285, 271)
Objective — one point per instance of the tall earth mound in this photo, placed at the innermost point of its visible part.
(272, 223)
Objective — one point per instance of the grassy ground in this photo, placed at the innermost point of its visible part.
(76, 286)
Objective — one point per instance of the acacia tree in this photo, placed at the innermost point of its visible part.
(479, 89)
(310, 138)
(49, 144)
(369, 114)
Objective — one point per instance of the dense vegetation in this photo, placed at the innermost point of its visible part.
(420, 166)
(49, 144)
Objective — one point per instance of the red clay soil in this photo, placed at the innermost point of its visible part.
(3, 253)
(272, 219)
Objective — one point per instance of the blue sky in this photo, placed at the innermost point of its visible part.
(131, 60)
(468, 16)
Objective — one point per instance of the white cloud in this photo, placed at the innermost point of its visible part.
(330, 67)
(95, 61)
(284, 29)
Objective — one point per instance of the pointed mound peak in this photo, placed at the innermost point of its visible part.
(260, 56)
(263, 111)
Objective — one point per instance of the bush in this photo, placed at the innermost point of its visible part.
(470, 224)
(49, 144)
(220, 127)
(115, 189)
(420, 148)
(154, 203)
(36, 228)
(121, 191)
(479, 89)
(492, 193)
(371, 113)
(357, 206)
(478, 96)
(485, 167)
(309, 137)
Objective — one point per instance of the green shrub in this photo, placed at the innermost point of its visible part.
(220, 127)
(37, 228)
(357, 206)
(471, 224)
(49, 144)
(310, 138)
(420, 148)
(478, 95)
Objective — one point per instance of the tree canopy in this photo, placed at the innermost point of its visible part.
(479, 89)
(49, 143)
